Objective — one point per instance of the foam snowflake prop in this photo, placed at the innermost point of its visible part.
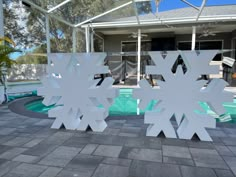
(180, 93)
(70, 85)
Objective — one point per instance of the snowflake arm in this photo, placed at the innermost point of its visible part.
(162, 63)
(97, 93)
(97, 124)
(50, 91)
(196, 124)
(68, 117)
(92, 62)
(214, 95)
(198, 62)
(159, 122)
(145, 99)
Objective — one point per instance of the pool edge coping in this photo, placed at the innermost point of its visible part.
(18, 106)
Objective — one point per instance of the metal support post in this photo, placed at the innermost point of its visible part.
(139, 64)
(92, 42)
(1, 20)
(87, 38)
(48, 36)
(139, 55)
(74, 40)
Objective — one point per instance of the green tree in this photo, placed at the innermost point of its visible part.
(15, 18)
(74, 12)
(144, 7)
(37, 56)
(26, 26)
(5, 61)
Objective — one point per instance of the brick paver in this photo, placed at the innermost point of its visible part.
(29, 148)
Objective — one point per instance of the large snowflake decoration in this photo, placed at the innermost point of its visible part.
(70, 85)
(179, 94)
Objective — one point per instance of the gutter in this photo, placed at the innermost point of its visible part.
(169, 21)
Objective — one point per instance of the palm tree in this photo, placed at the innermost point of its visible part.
(5, 62)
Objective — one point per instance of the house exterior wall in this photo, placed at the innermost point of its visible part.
(112, 43)
(225, 37)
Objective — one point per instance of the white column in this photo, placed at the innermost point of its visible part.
(194, 38)
(48, 36)
(1, 20)
(139, 55)
(87, 38)
(139, 65)
(74, 40)
(92, 42)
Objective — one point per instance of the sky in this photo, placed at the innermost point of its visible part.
(174, 4)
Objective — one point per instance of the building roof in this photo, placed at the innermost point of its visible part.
(225, 10)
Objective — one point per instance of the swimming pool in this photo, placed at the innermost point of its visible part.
(125, 104)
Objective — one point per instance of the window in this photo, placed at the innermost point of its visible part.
(212, 45)
(187, 46)
(203, 45)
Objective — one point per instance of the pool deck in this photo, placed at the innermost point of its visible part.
(29, 148)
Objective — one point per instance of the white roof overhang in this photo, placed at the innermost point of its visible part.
(168, 21)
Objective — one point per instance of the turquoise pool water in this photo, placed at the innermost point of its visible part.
(125, 104)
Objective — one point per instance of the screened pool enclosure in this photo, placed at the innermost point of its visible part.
(83, 26)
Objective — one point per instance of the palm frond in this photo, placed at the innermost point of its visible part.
(6, 50)
(6, 39)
